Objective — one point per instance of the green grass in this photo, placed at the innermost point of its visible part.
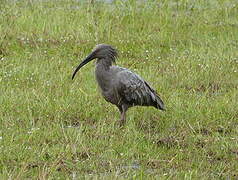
(52, 127)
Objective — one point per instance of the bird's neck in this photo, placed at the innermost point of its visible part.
(103, 75)
(104, 63)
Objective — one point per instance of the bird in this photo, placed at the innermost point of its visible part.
(119, 85)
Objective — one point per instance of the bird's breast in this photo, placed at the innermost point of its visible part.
(111, 96)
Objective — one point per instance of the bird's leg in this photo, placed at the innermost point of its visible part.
(123, 110)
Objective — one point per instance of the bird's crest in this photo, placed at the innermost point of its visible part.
(106, 51)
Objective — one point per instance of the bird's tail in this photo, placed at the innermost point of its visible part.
(159, 103)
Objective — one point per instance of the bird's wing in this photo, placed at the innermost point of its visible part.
(136, 91)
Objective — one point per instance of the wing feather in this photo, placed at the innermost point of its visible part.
(134, 89)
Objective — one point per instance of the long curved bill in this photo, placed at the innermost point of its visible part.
(85, 61)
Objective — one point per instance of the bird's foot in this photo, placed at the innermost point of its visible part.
(121, 123)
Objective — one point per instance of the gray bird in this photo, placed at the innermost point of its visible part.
(119, 85)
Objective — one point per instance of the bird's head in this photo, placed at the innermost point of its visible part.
(101, 51)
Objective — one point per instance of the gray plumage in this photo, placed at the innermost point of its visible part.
(119, 85)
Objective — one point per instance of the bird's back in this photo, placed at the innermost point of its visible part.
(133, 90)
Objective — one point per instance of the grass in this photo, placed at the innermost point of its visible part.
(53, 127)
